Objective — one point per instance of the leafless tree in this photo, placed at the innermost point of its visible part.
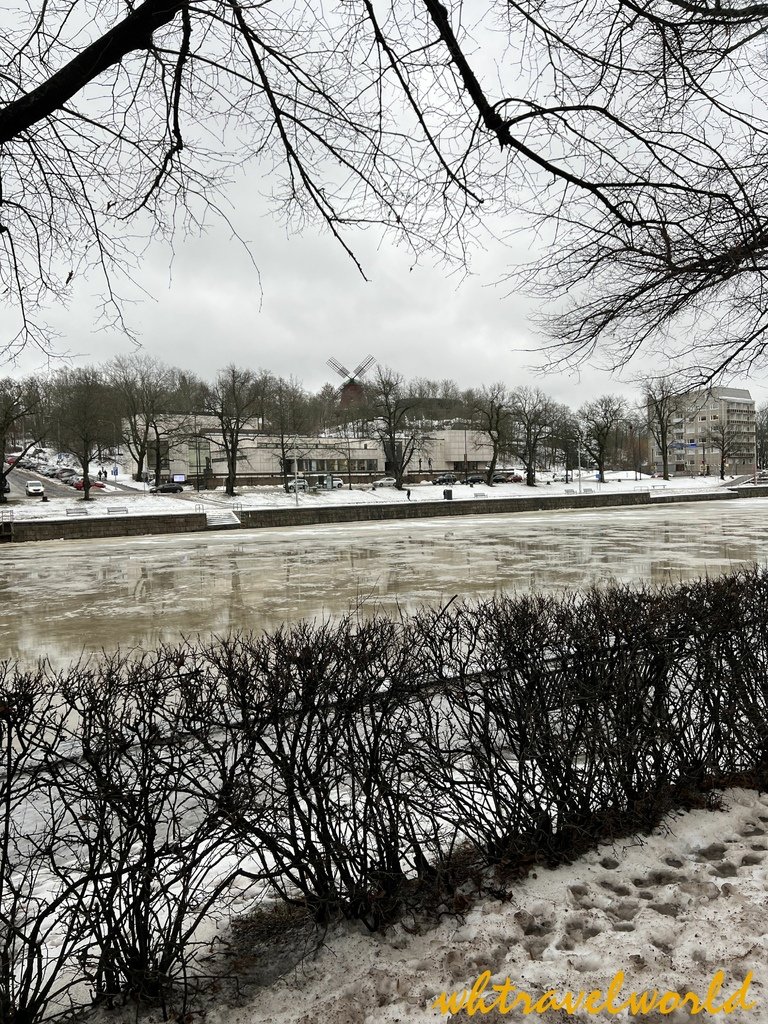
(598, 420)
(396, 422)
(731, 442)
(144, 386)
(20, 415)
(618, 121)
(442, 402)
(112, 115)
(288, 416)
(234, 400)
(82, 416)
(491, 413)
(563, 437)
(533, 414)
(636, 440)
(761, 436)
(660, 396)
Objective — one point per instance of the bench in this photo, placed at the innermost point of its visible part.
(587, 490)
(77, 511)
(569, 490)
(658, 487)
(118, 510)
(479, 495)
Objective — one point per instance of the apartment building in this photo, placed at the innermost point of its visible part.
(709, 426)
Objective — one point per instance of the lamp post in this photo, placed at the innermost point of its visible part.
(578, 456)
(754, 474)
(197, 453)
(634, 445)
(295, 443)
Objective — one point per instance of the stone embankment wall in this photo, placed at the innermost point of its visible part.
(261, 518)
(105, 526)
(126, 526)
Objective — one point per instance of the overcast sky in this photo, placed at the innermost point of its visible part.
(306, 301)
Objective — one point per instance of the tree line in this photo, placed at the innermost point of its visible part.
(141, 404)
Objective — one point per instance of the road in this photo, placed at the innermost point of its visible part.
(18, 478)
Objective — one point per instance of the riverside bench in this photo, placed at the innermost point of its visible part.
(117, 509)
(77, 511)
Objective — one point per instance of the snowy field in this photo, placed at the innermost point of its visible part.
(137, 500)
(670, 910)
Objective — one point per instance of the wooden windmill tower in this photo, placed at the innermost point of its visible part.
(351, 390)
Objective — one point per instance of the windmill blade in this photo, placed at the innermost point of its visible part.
(364, 367)
(336, 365)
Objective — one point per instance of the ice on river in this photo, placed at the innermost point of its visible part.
(59, 598)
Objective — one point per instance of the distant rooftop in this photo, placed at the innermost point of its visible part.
(736, 393)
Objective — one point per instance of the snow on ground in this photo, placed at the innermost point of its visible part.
(670, 910)
(135, 497)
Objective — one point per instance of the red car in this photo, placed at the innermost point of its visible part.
(79, 485)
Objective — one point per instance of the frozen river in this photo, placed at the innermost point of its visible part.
(60, 598)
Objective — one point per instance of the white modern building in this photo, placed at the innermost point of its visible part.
(192, 449)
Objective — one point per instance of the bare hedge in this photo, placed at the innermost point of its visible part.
(349, 767)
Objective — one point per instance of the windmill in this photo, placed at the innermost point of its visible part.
(351, 389)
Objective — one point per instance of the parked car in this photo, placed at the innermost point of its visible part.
(79, 484)
(476, 478)
(386, 481)
(34, 489)
(65, 473)
(500, 478)
(169, 487)
(515, 479)
(445, 478)
(298, 484)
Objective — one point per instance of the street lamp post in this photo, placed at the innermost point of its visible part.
(197, 453)
(295, 443)
(578, 451)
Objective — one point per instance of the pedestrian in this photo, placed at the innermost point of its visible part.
(408, 493)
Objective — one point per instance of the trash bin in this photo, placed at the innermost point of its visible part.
(448, 494)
